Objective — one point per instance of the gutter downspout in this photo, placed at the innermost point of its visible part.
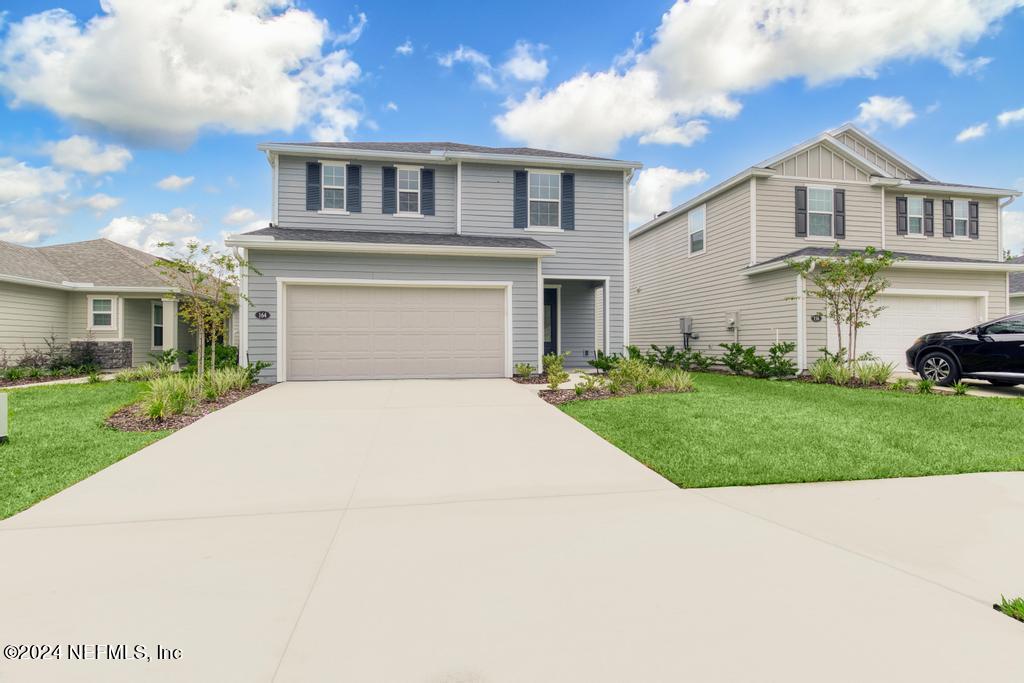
(627, 177)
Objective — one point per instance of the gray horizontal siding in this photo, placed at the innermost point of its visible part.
(292, 202)
(986, 247)
(272, 265)
(28, 317)
(578, 320)
(594, 249)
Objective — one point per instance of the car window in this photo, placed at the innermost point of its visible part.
(1013, 325)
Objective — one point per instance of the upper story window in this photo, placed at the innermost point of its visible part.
(158, 325)
(101, 313)
(819, 211)
(697, 219)
(545, 196)
(408, 190)
(333, 187)
(915, 215)
(959, 218)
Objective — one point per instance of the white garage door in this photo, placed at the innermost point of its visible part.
(377, 332)
(906, 318)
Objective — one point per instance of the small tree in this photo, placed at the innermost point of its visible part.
(848, 286)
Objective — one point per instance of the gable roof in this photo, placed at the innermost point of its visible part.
(444, 152)
(98, 263)
(857, 132)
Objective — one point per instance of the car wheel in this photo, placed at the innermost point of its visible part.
(939, 368)
(1002, 383)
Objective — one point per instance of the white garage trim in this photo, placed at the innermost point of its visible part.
(283, 282)
(982, 296)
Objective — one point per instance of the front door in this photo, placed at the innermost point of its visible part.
(550, 321)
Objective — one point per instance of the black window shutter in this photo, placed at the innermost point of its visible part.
(520, 199)
(929, 217)
(801, 211)
(972, 220)
(313, 202)
(947, 217)
(901, 215)
(839, 210)
(388, 192)
(568, 201)
(427, 192)
(354, 188)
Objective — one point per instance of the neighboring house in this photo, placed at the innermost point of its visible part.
(720, 258)
(95, 293)
(1017, 288)
(390, 260)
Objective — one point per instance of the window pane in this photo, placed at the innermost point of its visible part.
(914, 225)
(409, 202)
(696, 219)
(158, 314)
(960, 227)
(820, 224)
(544, 185)
(1008, 326)
(334, 199)
(158, 336)
(819, 200)
(915, 206)
(408, 179)
(697, 242)
(102, 319)
(544, 214)
(334, 175)
(959, 208)
(102, 305)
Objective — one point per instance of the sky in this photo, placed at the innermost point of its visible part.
(138, 121)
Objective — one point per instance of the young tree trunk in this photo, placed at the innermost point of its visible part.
(201, 351)
(213, 352)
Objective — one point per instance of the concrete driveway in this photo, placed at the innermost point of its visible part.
(466, 531)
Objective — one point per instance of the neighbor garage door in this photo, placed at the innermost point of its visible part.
(377, 332)
(906, 318)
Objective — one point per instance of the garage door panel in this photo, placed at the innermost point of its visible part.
(359, 332)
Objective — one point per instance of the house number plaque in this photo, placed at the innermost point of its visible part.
(262, 315)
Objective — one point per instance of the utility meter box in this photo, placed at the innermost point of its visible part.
(686, 325)
(732, 321)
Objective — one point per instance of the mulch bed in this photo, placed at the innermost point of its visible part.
(532, 379)
(129, 419)
(36, 380)
(559, 396)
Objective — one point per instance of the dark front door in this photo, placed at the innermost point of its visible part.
(550, 321)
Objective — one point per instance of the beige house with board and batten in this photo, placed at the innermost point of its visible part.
(714, 269)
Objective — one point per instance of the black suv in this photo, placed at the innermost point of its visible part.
(993, 351)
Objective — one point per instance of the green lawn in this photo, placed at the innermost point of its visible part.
(57, 438)
(736, 431)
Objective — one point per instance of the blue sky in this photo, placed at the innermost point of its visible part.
(710, 89)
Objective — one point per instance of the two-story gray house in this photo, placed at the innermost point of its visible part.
(416, 260)
(720, 259)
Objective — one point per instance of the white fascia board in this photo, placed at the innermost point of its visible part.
(371, 248)
(850, 128)
(909, 265)
(84, 286)
(959, 189)
(703, 197)
(558, 162)
(338, 153)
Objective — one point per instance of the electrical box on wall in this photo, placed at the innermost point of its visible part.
(686, 325)
(732, 321)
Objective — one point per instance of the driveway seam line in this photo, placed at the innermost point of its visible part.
(851, 551)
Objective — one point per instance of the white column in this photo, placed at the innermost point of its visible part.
(170, 323)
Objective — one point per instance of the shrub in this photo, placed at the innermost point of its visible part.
(171, 395)
(166, 358)
(629, 375)
(94, 377)
(592, 383)
(1011, 608)
(874, 373)
(524, 370)
(553, 361)
(842, 374)
(779, 363)
(961, 389)
(679, 380)
(227, 379)
(633, 353)
(697, 361)
(254, 370)
(143, 373)
(925, 386)
(837, 357)
(821, 370)
(901, 384)
(14, 373)
(227, 356)
(604, 362)
(557, 377)
(664, 357)
(737, 358)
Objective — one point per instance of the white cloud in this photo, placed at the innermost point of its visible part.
(959, 66)
(391, 106)
(32, 201)
(478, 61)
(19, 181)
(525, 63)
(687, 134)
(356, 25)
(173, 183)
(162, 72)
(405, 49)
(1013, 232)
(146, 232)
(706, 53)
(82, 153)
(239, 216)
(878, 110)
(972, 132)
(1011, 116)
(100, 202)
(652, 190)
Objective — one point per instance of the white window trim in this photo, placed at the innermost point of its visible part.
(324, 186)
(114, 310)
(831, 214)
(419, 193)
(689, 235)
(966, 219)
(557, 200)
(915, 235)
(153, 323)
